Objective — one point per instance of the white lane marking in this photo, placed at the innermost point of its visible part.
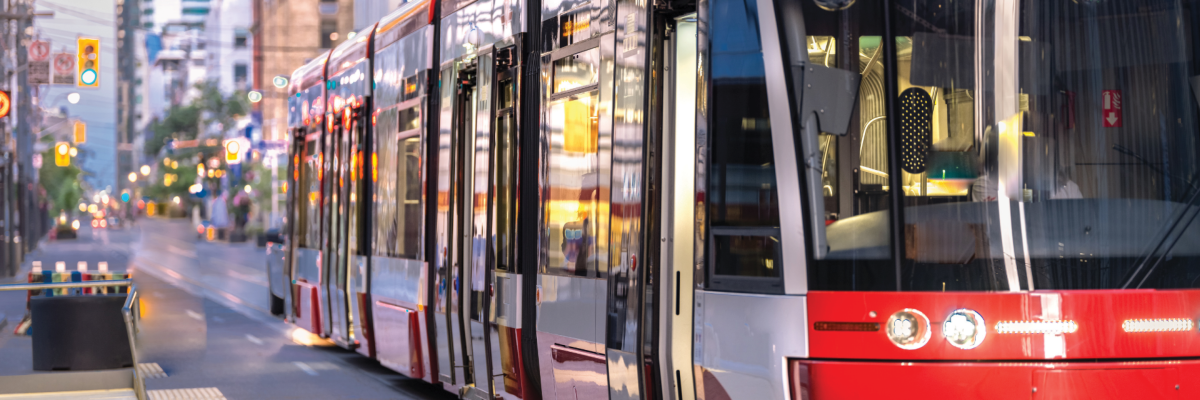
(182, 252)
(253, 339)
(151, 370)
(257, 280)
(195, 315)
(307, 369)
(208, 393)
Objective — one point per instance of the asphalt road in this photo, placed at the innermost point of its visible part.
(205, 320)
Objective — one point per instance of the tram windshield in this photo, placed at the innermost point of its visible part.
(1041, 145)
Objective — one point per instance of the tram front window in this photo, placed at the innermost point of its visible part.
(1052, 147)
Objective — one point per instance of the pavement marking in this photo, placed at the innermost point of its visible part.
(253, 339)
(182, 252)
(151, 370)
(257, 280)
(307, 369)
(195, 315)
(208, 393)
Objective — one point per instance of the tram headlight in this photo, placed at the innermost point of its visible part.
(964, 329)
(908, 329)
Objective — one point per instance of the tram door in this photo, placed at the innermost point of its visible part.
(344, 246)
(455, 218)
(505, 292)
(332, 225)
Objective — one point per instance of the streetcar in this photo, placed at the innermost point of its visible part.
(759, 199)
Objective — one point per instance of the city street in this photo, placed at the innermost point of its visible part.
(205, 320)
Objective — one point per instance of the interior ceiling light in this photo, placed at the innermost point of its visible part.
(1049, 327)
(1158, 325)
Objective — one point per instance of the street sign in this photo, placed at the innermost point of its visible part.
(39, 72)
(39, 50)
(1112, 109)
(64, 69)
(39, 62)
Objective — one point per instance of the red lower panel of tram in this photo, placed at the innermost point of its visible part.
(308, 313)
(1175, 379)
(399, 331)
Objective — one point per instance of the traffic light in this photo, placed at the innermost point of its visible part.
(61, 156)
(233, 151)
(80, 132)
(89, 62)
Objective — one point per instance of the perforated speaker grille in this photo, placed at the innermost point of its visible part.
(916, 130)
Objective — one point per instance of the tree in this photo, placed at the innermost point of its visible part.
(61, 183)
(218, 107)
(180, 123)
(184, 122)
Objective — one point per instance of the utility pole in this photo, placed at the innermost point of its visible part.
(17, 181)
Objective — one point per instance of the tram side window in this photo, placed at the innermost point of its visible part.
(504, 179)
(398, 184)
(571, 209)
(743, 207)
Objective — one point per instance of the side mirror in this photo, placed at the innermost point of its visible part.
(827, 97)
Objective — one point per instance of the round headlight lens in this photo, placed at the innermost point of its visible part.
(908, 329)
(964, 329)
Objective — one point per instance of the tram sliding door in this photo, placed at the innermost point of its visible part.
(306, 305)
(449, 220)
(334, 253)
(476, 122)
(347, 139)
(505, 291)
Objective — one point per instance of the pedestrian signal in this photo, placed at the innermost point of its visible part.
(62, 157)
(89, 62)
(80, 132)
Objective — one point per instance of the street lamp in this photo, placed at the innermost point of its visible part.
(145, 170)
(132, 177)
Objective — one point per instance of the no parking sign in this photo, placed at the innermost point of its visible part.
(64, 69)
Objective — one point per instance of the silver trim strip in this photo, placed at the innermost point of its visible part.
(787, 173)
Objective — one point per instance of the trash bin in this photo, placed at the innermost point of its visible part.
(79, 333)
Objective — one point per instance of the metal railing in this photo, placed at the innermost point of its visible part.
(139, 386)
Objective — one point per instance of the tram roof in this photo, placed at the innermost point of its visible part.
(350, 52)
(403, 21)
(308, 75)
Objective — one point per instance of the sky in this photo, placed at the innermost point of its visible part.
(96, 107)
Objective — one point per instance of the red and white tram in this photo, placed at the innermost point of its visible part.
(788, 199)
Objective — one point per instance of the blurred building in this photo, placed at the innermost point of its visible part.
(131, 57)
(227, 34)
(288, 34)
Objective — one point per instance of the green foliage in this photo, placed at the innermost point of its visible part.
(61, 183)
(180, 123)
(185, 122)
